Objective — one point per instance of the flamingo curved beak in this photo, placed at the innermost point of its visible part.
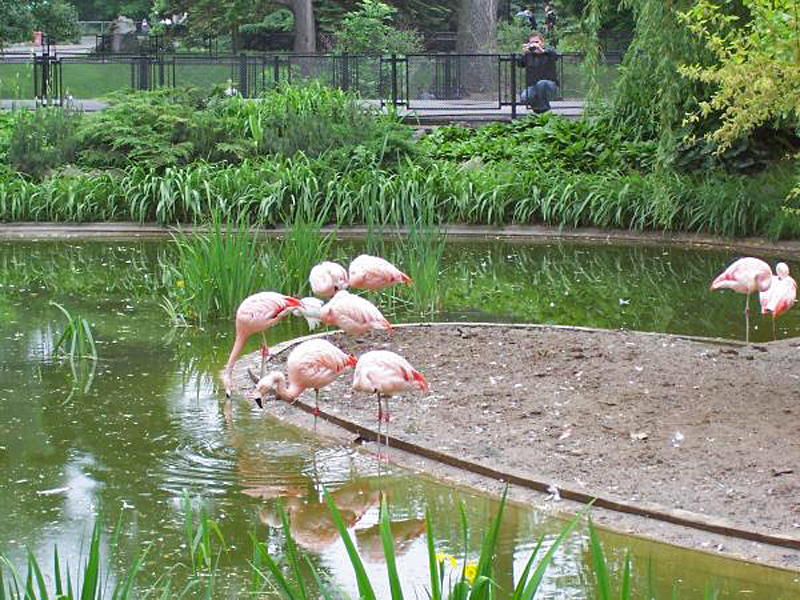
(258, 401)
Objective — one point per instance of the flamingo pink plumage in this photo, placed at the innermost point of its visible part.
(781, 295)
(256, 313)
(385, 373)
(327, 278)
(353, 314)
(311, 365)
(374, 273)
(746, 275)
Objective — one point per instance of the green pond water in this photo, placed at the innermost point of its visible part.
(124, 442)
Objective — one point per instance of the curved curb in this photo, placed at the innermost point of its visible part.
(649, 510)
(522, 233)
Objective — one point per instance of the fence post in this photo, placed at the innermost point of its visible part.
(144, 72)
(243, 75)
(345, 72)
(394, 79)
(513, 86)
(277, 70)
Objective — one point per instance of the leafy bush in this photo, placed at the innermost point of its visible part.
(43, 139)
(586, 145)
(58, 19)
(159, 129)
(316, 120)
(368, 31)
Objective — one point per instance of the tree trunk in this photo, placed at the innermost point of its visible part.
(305, 35)
(477, 26)
(477, 34)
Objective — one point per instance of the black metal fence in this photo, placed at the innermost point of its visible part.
(417, 81)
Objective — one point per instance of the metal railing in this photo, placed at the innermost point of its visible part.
(467, 82)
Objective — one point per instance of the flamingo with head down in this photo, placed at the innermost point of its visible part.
(374, 273)
(353, 314)
(327, 278)
(255, 314)
(311, 365)
(746, 275)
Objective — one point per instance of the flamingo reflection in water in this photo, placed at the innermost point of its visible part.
(310, 521)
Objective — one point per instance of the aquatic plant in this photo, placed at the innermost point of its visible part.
(76, 344)
(213, 271)
(294, 576)
(87, 583)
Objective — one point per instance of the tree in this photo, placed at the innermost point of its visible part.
(212, 17)
(756, 76)
(17, 22)
(477, 26)
(368, 31)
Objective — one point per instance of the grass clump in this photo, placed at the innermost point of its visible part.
(43, 140)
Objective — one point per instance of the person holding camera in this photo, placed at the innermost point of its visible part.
(541, 77)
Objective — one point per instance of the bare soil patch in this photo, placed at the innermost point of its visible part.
(711, 428)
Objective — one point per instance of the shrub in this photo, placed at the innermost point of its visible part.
(43, 139)
(368, 31)
(159, 129)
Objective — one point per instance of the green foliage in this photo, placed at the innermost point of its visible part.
(17, 22)
(651, 96)
(756, 74)
(162, 128)
(511, 36)
(368, 31)
(588, 145)
(713, 202)
(58, 19)
(43, 139)
(315, 120)
(87, 583)
(211, 273)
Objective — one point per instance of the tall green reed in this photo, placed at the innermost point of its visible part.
(211, 272)
(76, 345)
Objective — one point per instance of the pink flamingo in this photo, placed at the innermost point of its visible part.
(373, 273)
(385, 373)
(353, 314)
(781, 295)
(256, 313)
(313, 364)
(327, 278)
(746, 275)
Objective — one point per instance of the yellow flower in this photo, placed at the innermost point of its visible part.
(179, 284)
(470, 571)
(441, 557)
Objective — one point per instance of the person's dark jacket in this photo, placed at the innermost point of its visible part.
(542, 65)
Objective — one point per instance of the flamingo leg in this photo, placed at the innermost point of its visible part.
(316, 405)
(747, 318)
(264, 351)
(386, 417)
(774, 330)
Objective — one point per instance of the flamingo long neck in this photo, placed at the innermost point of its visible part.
(287, 393)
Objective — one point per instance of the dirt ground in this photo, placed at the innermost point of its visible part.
(651, 419)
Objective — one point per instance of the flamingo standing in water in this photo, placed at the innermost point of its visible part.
(255, 314)
(781, 295)
(313, 364)
(746, 275)
(374, 273)
(353, 314)
(385, 373)
(327, 278)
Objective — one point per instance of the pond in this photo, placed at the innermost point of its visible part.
(149, 424)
